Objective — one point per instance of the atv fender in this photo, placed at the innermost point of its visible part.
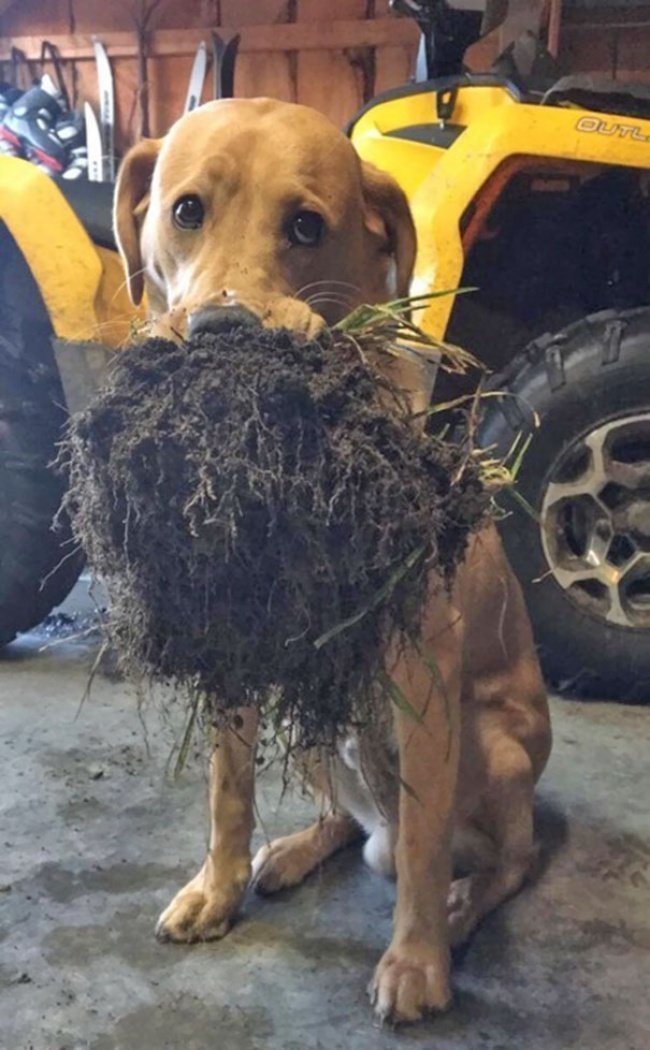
(60, 254)
(451, 190)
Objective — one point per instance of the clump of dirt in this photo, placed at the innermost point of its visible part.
(264, 515)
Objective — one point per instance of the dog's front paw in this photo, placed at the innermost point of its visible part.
(281, 864)
(411, 980)
(205, 908)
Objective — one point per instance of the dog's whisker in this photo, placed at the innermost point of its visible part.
(326, 283)
(337, 297)
(330, 292)
(328, 304)
(123, 284)
(317, 304)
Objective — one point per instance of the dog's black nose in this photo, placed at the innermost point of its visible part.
(219, 319)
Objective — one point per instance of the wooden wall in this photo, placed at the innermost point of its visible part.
(331, 54)
(615, 41)
(612, 41)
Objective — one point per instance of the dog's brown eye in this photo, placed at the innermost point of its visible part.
(188, 212)
(306, 229)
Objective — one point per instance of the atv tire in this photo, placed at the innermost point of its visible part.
(38, 565)
(585, 565)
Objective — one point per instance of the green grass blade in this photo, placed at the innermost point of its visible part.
(432, 666)
(397, 697)
(381, 595)
(524, 504)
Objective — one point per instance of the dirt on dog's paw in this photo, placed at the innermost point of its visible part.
(280, 864)
(411, 981)
(203, 910)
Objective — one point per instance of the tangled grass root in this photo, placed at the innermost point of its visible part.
(264, 515)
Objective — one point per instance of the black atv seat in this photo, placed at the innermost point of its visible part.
(600, 94)
(92, 203)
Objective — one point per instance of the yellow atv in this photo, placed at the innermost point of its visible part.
(536, 192)
(60, 279)
(532, 190)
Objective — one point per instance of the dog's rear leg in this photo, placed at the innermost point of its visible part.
(288, 860)
(207, 905)
(510, 817)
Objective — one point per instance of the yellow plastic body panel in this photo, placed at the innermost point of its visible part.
(407, 161)
(82, 285)
(442, 184)
(57, 249)
(115, 314)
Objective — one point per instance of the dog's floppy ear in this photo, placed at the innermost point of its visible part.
(130, 207)
(388, 216)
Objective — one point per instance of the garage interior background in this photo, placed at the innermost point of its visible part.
(331, 54)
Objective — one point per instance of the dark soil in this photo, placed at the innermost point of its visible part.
(244, 495)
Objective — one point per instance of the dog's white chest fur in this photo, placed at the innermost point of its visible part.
(353, 792)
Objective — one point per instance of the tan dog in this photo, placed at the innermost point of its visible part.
(256, 211)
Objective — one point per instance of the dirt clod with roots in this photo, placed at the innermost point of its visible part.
(264, 516)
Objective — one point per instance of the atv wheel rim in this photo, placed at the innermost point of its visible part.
(595, 522)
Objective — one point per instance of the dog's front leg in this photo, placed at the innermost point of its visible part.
(412, 977)
(206, 906)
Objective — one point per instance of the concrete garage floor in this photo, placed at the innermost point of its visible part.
(94, 841)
